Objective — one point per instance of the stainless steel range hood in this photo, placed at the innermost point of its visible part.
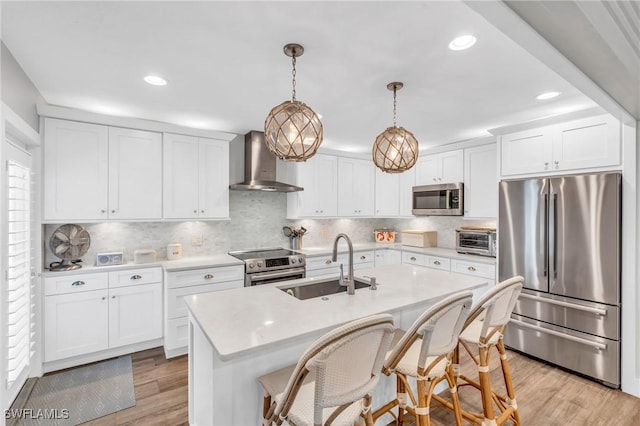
(260, 167)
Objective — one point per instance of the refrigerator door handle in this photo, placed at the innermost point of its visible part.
(555, 235)
(597, 345)
(596, 311)
(546, 234)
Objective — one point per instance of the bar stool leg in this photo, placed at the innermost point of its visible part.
(402, 399)
(424, 396)
(485, 387)
(508, 384)
(453, 389)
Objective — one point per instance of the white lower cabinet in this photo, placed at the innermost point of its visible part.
(180, 284)
(323, 265)
(92, 312)
(388, 257)
(460, 266)
(75, 324)
(484, 270)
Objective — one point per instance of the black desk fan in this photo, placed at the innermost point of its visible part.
(69, 243)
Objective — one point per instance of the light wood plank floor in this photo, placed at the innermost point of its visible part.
(547, 396)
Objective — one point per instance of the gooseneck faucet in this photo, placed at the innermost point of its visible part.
(350, 282)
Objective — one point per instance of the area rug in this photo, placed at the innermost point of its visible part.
(81, 394)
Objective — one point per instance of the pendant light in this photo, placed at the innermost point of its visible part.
(293, 131)
(396, 149)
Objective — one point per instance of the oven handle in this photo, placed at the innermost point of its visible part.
(278, 274)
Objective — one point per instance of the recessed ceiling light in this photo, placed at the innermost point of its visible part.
(155, 80)
(462, 42)
(547, 95)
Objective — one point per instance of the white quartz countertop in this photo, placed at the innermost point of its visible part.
(240, 321)
(201, 262)
(430, 251)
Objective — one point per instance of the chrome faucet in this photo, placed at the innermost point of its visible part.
(348, 281)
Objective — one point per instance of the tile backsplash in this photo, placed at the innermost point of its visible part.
(256, 221)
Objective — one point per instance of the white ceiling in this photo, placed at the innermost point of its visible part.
(226, 69)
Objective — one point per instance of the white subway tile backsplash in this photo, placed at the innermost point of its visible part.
(256, 221)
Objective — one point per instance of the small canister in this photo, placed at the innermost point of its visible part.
(174, 251)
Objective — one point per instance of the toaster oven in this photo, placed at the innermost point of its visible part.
(476, 241)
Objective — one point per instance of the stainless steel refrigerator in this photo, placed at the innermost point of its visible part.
(562, 234)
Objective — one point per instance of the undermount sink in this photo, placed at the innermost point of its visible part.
(322, 288)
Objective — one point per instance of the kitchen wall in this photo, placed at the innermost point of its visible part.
(256, 221)
(18, 92)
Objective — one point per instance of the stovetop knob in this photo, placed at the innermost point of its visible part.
(251, 265)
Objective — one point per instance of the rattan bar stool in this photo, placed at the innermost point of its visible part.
(483, 330)
(424, 353)
(333, 380)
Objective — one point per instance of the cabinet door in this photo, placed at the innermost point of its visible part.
(451, 166)
(355, 187)
(135, 174)
(214, 179)
(394, 257)
(529, 151)
(135, 314)
(75, 324)
(387, 194)
(381, 257)
(326, 185)
(481, 182)
(428, 170)
(75, 170)
(181, 176)
(590, 142)
(407, 182)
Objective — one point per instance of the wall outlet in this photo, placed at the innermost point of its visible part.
(196, 240)
(324, 232)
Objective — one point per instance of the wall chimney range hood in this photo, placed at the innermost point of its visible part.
(260, 167)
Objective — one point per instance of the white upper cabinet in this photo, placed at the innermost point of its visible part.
(196, 177)
(579, 144)
(356, 187)
(481, 182)
(445, 167)
(387, 194)
(95, 172)
(135, 174)
(319, 178)
(407, 182)
(75, 170)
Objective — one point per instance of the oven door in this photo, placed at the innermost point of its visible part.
(259, 278)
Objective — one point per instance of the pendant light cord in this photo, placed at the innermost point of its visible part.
(293, 73)
(394, 106)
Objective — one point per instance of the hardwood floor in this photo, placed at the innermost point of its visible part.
(546, 395)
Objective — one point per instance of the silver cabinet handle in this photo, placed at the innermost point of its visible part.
(208, 276)
(201, 211)
(546, 165)
(77, 283)
(363, 257)
(557, 164)
(103, 211)
(135, 277)
(195, 211)
(113, 297)
(113, 211)
(599, 346)
(436, 262)
(471, 268)
(104, 298)
(596, 311)
(328, 262)
(412, 258)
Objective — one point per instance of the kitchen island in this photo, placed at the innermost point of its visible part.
(237, 335)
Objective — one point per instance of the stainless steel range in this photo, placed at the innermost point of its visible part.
(270, 265)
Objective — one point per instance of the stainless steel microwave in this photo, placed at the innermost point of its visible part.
(438, 200)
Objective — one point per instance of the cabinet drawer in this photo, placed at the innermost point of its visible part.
(363, 257)
(436, 262)
(205, 276)
(175, 297)
(473, 268)
(177, 335)
(75, 283)
(414, 258)
(322, 262)
(135, 276)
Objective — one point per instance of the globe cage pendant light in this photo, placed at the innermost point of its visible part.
(293, 131)
(396, 149)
